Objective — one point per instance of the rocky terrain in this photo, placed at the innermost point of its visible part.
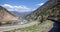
(49, 11)
(50, 8)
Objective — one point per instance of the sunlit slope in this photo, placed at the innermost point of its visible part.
(5, 15)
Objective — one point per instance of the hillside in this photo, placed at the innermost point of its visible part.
(50, 8)
(39, 20)
(5, 15)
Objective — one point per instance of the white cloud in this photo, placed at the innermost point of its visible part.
(40, 4)
(16, 8)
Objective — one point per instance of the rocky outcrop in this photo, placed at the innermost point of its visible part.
(50, 8)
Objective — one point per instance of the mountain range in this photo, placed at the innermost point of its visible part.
(20, 14)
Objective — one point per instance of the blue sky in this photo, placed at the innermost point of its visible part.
(22, 5)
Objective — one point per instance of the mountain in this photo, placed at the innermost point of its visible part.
(20, 14)
(49, 10)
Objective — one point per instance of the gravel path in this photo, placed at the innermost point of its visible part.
(6, 28)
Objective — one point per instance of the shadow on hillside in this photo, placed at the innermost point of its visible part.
(56, 27)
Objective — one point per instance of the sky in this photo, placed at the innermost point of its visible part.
(21, 5)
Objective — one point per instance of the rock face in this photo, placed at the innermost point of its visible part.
(5, 15)
(50, 8)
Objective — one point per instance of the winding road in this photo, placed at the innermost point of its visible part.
(7, 28)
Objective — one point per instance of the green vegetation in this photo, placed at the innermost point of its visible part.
(32, 28)
(7, 31)
(43, 31)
